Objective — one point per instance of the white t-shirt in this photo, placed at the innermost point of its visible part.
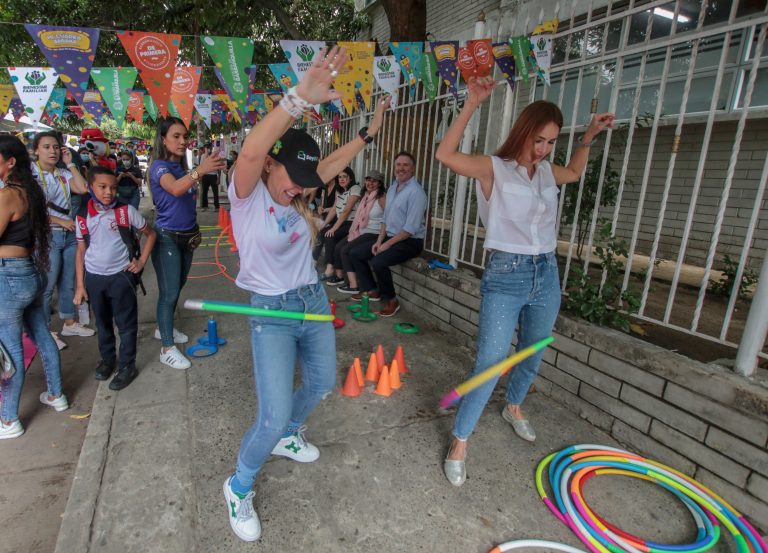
(274, 243)
(106, 253)
(521, 213)
(343, 198)
(56, 188)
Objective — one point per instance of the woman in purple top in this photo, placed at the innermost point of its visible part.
(174, 191)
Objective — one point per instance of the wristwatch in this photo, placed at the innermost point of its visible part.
(364, 135)
(195, 175)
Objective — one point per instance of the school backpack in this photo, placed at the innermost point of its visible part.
(129, 237)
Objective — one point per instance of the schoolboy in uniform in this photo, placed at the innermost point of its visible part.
(107, 273)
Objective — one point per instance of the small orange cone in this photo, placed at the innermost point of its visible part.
(351, 387)
(383, 388)
(358, 372)
(231, 239)
(394, 376)
(380, 356)
(221, 222)
(372, 374)
(400, 358)
(227, 220)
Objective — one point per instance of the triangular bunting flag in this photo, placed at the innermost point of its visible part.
(408, 55)
(136, 106)
(183, 91)
(387, 73)
(34, 86)
(115, 85)
(231, 55)
(445, 55)
(356, 77)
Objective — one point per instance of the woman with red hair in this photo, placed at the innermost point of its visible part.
(517, 198)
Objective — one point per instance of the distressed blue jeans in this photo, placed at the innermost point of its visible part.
(61, 274)
(516, 289)
(21, 306)
(277, 344)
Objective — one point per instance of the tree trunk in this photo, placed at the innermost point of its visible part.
(285, 20)
(407, 19)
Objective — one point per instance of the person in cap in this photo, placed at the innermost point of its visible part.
(364, 230)
(274, 229)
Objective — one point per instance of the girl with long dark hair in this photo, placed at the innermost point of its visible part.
(24, 259)
(174, 191)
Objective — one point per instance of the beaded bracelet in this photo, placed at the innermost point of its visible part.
(294, 104)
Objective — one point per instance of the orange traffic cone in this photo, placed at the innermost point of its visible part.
(358, 372)
(380, 356)
(351, 387)
(231, 239)
(221, 222)
(394, 376)
(400, 358)
(384, 388)
(372, 374)
(227, 221)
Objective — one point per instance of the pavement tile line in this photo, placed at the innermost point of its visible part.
(77, 523)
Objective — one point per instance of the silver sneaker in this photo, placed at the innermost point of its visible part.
(455, 471)
(522, 428)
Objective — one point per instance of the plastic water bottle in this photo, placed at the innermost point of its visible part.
(84, 313)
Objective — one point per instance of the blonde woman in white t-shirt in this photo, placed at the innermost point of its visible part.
(517, 197)
(274, 230)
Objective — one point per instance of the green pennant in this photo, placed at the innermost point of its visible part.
(150, 106)
(521, 46)
(430, 75)
(115, 85)
(232, 56)
(172, 110)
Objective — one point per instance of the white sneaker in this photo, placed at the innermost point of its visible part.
(178, 336)
(174, 358)
(296, 447)
(59, 404)
(59, 342)
(242, 517)
(77, 329)
(11, 430)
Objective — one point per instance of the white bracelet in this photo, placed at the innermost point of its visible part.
(300, 102)
(293, 110)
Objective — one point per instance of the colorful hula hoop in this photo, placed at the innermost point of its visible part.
(535, 544)
(568, 470)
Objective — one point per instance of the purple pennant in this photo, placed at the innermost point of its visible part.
(16, 108)
(70, 51)
(94, 107)
(445, 53)
(502, 52)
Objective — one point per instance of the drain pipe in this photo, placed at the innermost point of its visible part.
(756, 328)
(461, 182)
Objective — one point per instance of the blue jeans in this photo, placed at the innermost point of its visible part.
(21, 306)
(172, 264)
(522, 289)
(277, 343)
(61, 274)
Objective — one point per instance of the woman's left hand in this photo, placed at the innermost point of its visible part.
(315, 86)
(330, 232)
(382, 106)
(599, 122)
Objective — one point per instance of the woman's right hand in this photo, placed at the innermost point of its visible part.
(480, 89)
(315, 86)
(80, 296)
(213, 162)
(66, 224)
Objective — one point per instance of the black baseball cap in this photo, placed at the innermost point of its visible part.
(300, 154)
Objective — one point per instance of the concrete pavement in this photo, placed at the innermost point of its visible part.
(156, 454)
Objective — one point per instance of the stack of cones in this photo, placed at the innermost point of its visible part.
(387, 378)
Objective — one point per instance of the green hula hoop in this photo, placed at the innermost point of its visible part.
(366, 318)
(406, 328)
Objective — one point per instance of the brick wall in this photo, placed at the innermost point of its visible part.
(701, 420)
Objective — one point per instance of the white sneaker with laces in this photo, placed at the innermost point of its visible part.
(59, 404)
(296, 447)
(178, 336)
(174, 358)
(11, 430)
(61, 344)
(77, 329)
(242, 517)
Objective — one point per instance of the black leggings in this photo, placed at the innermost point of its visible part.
(345, 246)
(331, 241)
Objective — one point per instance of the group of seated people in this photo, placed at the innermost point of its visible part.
(367, 230)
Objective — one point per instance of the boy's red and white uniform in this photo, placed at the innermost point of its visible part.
(107, 253)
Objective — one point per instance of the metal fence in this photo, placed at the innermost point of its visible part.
(682, 182)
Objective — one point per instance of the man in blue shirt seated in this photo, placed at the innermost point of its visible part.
(401, 236)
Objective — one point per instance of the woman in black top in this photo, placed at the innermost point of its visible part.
(24, 245)
(129, 179)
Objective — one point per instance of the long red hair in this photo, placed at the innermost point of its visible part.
(532, 119)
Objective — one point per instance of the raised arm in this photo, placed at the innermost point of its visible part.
(578, 161)
(77, 183)
(314, 88)
(475, 166)
(179, 187)
(340, 158)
